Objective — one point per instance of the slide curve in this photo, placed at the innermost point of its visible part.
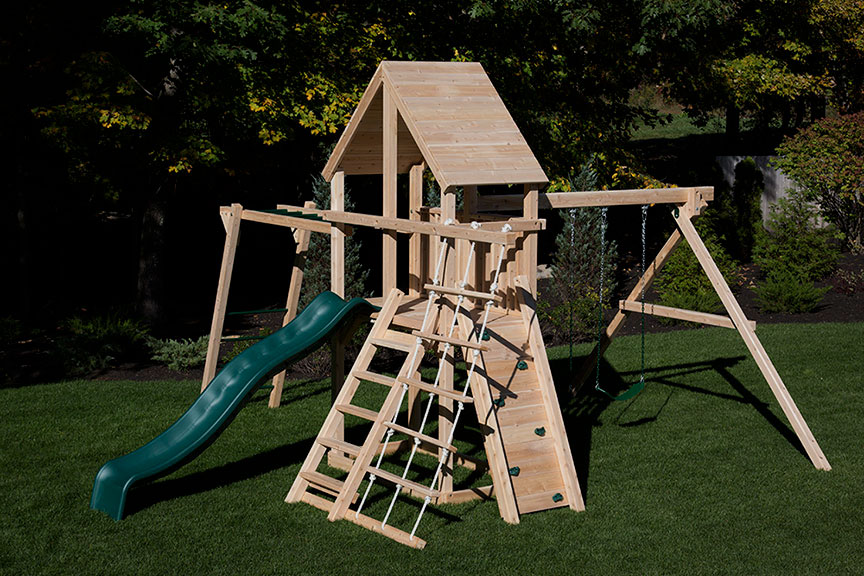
(214, 409)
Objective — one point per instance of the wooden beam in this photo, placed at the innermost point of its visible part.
(530, 211)
(680, 314)
(301, 240)
(416, 273)
(799, 425)
(337, 236)
(286, 221)
(232, 236)
(449, 278)
(390, 150)
(560, 200)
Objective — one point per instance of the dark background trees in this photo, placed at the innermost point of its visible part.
(131, 122)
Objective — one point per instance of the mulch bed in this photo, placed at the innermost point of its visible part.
(35, 360)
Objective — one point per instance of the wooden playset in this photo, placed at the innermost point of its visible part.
(471, 284)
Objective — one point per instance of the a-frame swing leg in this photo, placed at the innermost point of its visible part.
(621, 316)
(301, 239)
(231, 221)
(805, 436)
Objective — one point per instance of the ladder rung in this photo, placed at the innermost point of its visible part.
(447, 339)
(423, 437)
(461, 292)
(400, 344)
(453, 394)
(396, 479)
(340, 445)
(322, 482)
(373, 377)
(364, 413)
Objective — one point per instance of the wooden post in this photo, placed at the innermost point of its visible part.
(337, 286)
(337, 236)
(301, 239)
(232, 235)
(530, 209)
(445, 405)
(388, 241)
(808, 441)
(416, 277)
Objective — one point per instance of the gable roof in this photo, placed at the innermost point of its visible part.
(450, 116)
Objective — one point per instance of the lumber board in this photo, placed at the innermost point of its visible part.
(563, 200)
(680, 314)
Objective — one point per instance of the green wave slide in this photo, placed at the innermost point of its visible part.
(216, 407)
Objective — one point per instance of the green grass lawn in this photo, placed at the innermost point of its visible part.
(697, 475)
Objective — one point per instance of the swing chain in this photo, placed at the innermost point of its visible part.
(603, 225)
(642, 287)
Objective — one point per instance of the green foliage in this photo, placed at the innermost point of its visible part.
(849, 281)
(792, 254)
(10, 330)
(95, 343)
(576, 268)
(794, 241)
(827, 161)
(316, 276)
(238, 346)
(682, 283)
(785, 291)
(179, 354)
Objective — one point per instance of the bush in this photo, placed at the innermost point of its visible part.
(793, 241)
(827, 161)
(738, 210)
(576, 268)
(784, 291)
(238, 346)
(179, 354)
(92, 344)
(682, 283)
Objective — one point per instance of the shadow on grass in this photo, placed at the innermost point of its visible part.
(582, 412)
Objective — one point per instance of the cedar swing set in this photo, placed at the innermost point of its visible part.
(471, 281)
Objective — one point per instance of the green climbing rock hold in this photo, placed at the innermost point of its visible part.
(514, 471)
(557, 497)
(522, 365)
(540, 431)
(486, 336)
(498, 402)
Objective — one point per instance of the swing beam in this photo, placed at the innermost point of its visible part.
(687, 203)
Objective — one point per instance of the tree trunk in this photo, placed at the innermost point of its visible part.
(150, 299)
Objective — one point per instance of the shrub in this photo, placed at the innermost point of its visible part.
(848, 281)
(95, 343)
(682, 283)
(179, 354)
(238, 346)
(827, 161)
(576, 267)
(10, 330)
(793, 241)
(739, 210)
(785, 291)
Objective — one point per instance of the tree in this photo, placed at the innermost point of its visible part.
(826, 160)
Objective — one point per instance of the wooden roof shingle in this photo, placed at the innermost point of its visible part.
(450, 116)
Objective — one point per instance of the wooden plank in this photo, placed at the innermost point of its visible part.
(530, 211)
(431, 336)
(422, 437)
(301, 240)
(793, 415)
(426, 387)
(358, 411)
(399, 536)
(322, 482)
(340, 446)
(492, 442)
(286, 221)
(542, 501)
(232, 236)
(445, 319)
(337, 236)
(561, 200)
(460, 292)
(547, 385)
(680, 314)
(374, 377)
(390, 146)
(416, 273)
